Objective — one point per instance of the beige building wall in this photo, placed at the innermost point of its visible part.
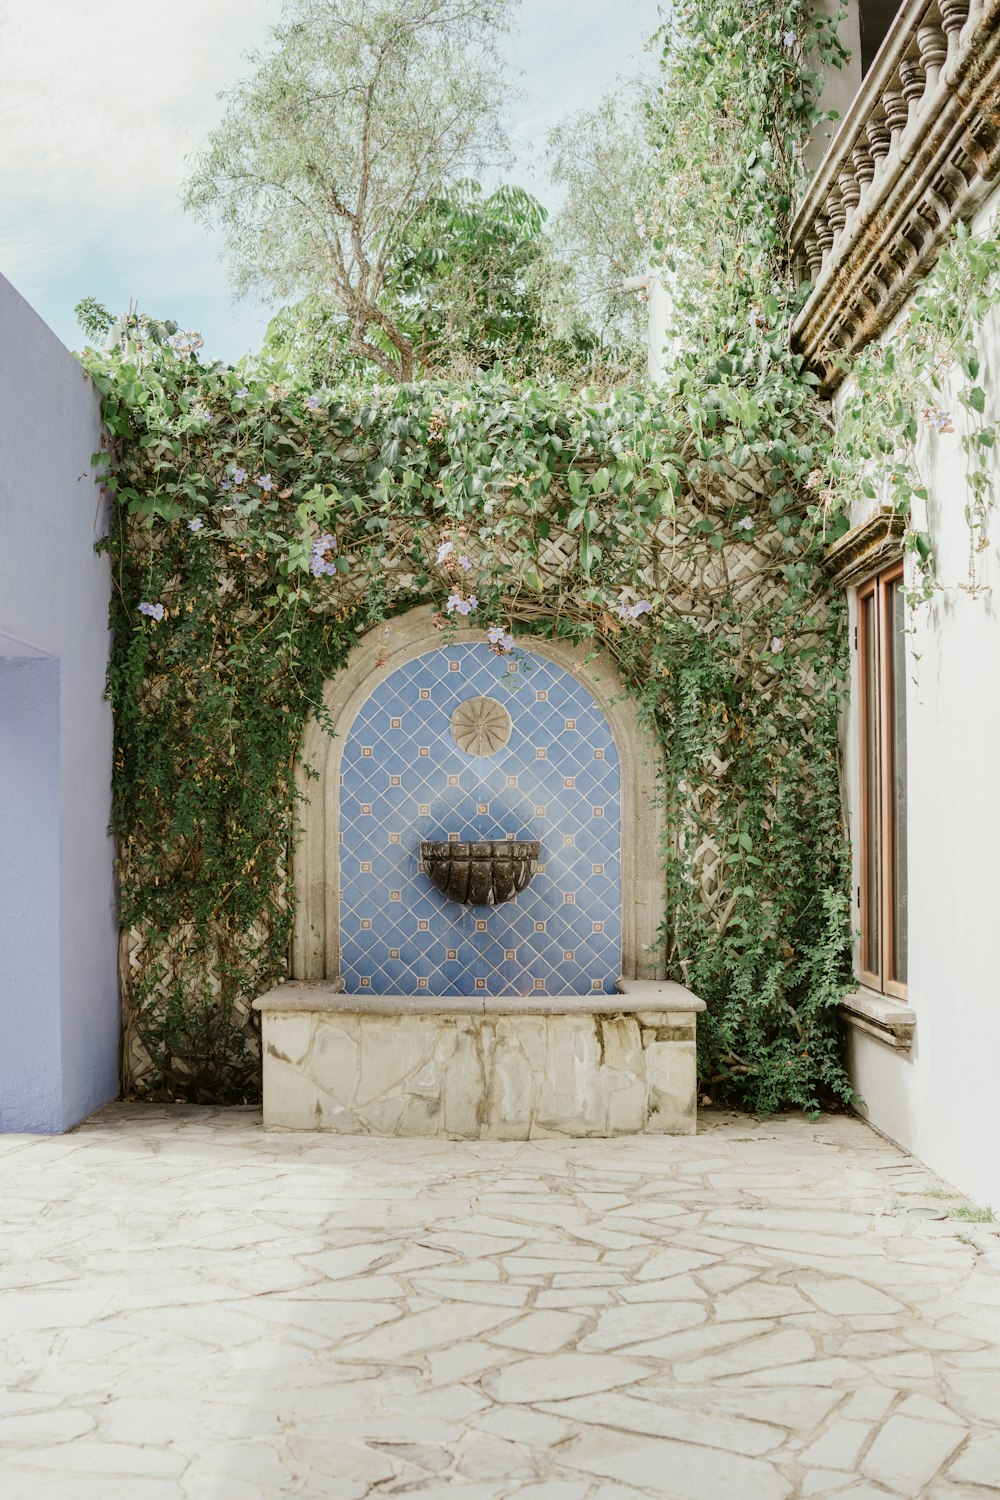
(841, 83)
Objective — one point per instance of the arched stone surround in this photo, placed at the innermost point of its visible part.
(316, 942)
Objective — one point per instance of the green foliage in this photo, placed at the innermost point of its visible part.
(740, 102)
(691, 546)
(973, 1215)
(603, 161)
(224, 493)
(920, 385)
(94, 318)
(465, 288)
(738, 105)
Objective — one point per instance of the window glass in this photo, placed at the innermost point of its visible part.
(897, 647)
(883, 783)
(876, 16)
(871, 872)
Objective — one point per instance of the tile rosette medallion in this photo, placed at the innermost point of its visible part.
(481, 726)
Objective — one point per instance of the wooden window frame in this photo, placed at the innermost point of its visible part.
(874, 655)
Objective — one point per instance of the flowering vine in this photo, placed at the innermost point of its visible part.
(675, 529)
(908, 391)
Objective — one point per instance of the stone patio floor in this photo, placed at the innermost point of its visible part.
(193, 1310)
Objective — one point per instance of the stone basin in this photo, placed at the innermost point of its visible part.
(481, 873)
(486, 1068)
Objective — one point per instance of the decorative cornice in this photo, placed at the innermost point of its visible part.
(918, 151)
(867, 548)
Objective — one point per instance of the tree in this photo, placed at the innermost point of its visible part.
(468, 287)
(94, 318)
(603, 160)
(329, 156)
(464, 280)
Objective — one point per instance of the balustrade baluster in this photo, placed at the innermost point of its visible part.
(933, 45)
(879, 138)
(824, 233)
(836, 212)
(954, 14)
(850, 192)
(814, 257)
(912, 83)
(864, 165)
(896, 115)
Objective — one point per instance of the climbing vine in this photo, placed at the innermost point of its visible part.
(261, 525)
(925, 381)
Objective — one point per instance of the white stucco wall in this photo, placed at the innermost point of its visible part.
(59, 1014)
(940, 1100)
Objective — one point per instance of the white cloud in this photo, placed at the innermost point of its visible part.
(101, 100)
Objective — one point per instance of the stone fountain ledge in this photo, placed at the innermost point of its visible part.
(491, 1068)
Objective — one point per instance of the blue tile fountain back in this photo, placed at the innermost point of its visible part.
(404, 779)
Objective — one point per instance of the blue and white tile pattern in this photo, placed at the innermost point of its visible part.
(403, 779)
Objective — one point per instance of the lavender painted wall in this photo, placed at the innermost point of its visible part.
(59, 1014)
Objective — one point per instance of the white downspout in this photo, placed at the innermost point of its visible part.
(651, 285)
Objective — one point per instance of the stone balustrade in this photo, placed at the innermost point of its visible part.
(918, 150)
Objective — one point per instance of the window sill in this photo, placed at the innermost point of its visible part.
(889, 1021)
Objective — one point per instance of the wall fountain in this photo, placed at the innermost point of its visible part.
(479, 899)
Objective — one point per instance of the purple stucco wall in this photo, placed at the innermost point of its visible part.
(59, 1014)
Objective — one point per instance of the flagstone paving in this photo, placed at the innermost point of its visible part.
(193, 1310)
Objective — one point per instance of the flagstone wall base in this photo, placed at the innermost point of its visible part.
(495, 1069)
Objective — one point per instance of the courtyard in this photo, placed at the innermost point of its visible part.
(193, 1309)
(498, 783)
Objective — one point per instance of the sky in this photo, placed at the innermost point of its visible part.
(102, 102)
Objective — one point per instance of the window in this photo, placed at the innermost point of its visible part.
(875, 18)
(882, 694)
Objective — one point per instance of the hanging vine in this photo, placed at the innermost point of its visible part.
(260, 526)
(924, 383)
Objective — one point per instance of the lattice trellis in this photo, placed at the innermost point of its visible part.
(675, 562)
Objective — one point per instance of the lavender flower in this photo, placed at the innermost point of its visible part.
(445, 550)
(154, 611)
(265, 481)
(241, 393)
(459, 605)
(196, 524)
(499, 640)
(746, 524)
(465, 562)
(938, 418)
(633, 611)
(789, 39)
(312, 403)
(320, 563)
(239, 476)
